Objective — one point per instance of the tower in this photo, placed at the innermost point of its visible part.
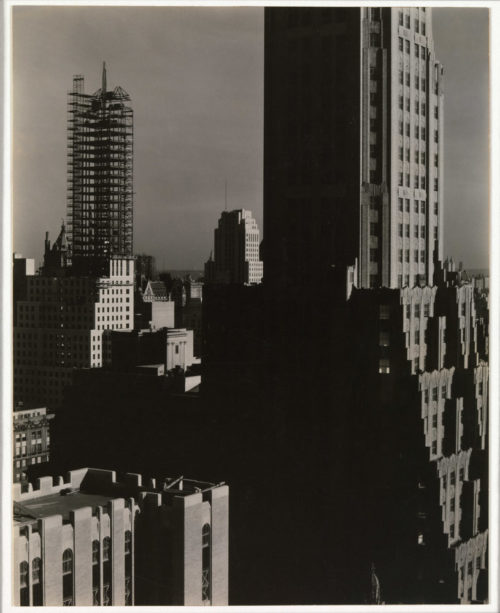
(353, 145)
(236, 254)
(100, 201)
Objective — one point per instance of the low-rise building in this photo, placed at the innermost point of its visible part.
(96, 539)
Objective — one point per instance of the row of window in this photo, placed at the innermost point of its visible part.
(434, 393)
(419, 50)
(418, 25)
(418, 231)
(416, 206)
(416, 257)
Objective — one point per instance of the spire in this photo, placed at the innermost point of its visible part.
(104, 79)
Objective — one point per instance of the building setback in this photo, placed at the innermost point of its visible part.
(236, 250)
(353, 117)
(94, 539)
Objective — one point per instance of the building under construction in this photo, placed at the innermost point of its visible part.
(100, 183)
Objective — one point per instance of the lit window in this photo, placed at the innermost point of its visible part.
(384, 366)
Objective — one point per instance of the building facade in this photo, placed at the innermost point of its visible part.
(60, 326)
(236, 250)
(353, 145)
(94, 539)
(31, 439)
(100, 182)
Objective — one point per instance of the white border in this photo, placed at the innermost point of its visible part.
(6, 507)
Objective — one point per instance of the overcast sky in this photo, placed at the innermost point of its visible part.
(195, 76)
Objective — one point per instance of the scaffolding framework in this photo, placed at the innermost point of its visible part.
(100, 172)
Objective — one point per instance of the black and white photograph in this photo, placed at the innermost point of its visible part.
(247, 341)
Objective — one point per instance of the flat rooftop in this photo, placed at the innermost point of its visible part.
(57, 504)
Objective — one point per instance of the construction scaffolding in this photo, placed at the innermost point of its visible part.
(100, 172)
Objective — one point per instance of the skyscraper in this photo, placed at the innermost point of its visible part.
(100, 200)
(236, 257)
(353, 145)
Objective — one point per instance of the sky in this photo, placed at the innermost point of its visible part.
(195, 76)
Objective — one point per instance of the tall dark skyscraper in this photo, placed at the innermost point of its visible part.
(353, 145)
(100, 184)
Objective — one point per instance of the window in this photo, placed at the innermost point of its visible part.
(422, 53)
(415, 180)
(128, 542)
(422, 182)
(436, 208)
(436, 136)
(417, 310)
(177, 349)
(452, 477)
(206, 555)
(434, 447)
(415, 208)
(416, 131)
(373, 228)
(461, 474)
(443, 391)
(417, 105)
(401, 127)
(434, 393)
(426, 305)
(373, 151)
(407, 230)
(416, 50)
(436, 112)
(423, 84)
(417, 337)
(407, 154)
(401, 77)
(401, 153)
(24, 583)
(407, 46)
(416, 25)
(452, 505)
(400, 21)
(436, 160)
(407, 205)
(400, 203)
(417, 82)
(422, 231)
(373, 98)
(424, 108)
(400, 180)
(106, 549)
(384, 311)
(400, 44)
(400, 255)
(434, 420)
(407, 104)
(452, 530)
(373, 255)
(407, 79)
(96, 600)
(436, 185)
(400, 229)
(422, 133)
(67, 571)
(407, 21)
(407, 255)
(423, 28)
(415, 254)
(384, 367)
(407, 129)
(408, 177)
(422, 154)
(422, 207)
(36, 577)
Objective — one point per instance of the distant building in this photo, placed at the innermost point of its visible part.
(145, 270)
(172, 347)
(31, 439)
(95, 539)
(60, 322)
(22, 269)
(236, 250)
(153, 307)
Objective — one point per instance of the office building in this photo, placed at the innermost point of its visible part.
(236, 250)
(353, 118)
(100, 182)
(31, 439)
(95, 539)
(60, 326)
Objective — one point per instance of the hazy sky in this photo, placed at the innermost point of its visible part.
(195, 76)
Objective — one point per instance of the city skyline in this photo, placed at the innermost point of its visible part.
(208, 127)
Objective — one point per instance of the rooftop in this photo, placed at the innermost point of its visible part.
(57, 504)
